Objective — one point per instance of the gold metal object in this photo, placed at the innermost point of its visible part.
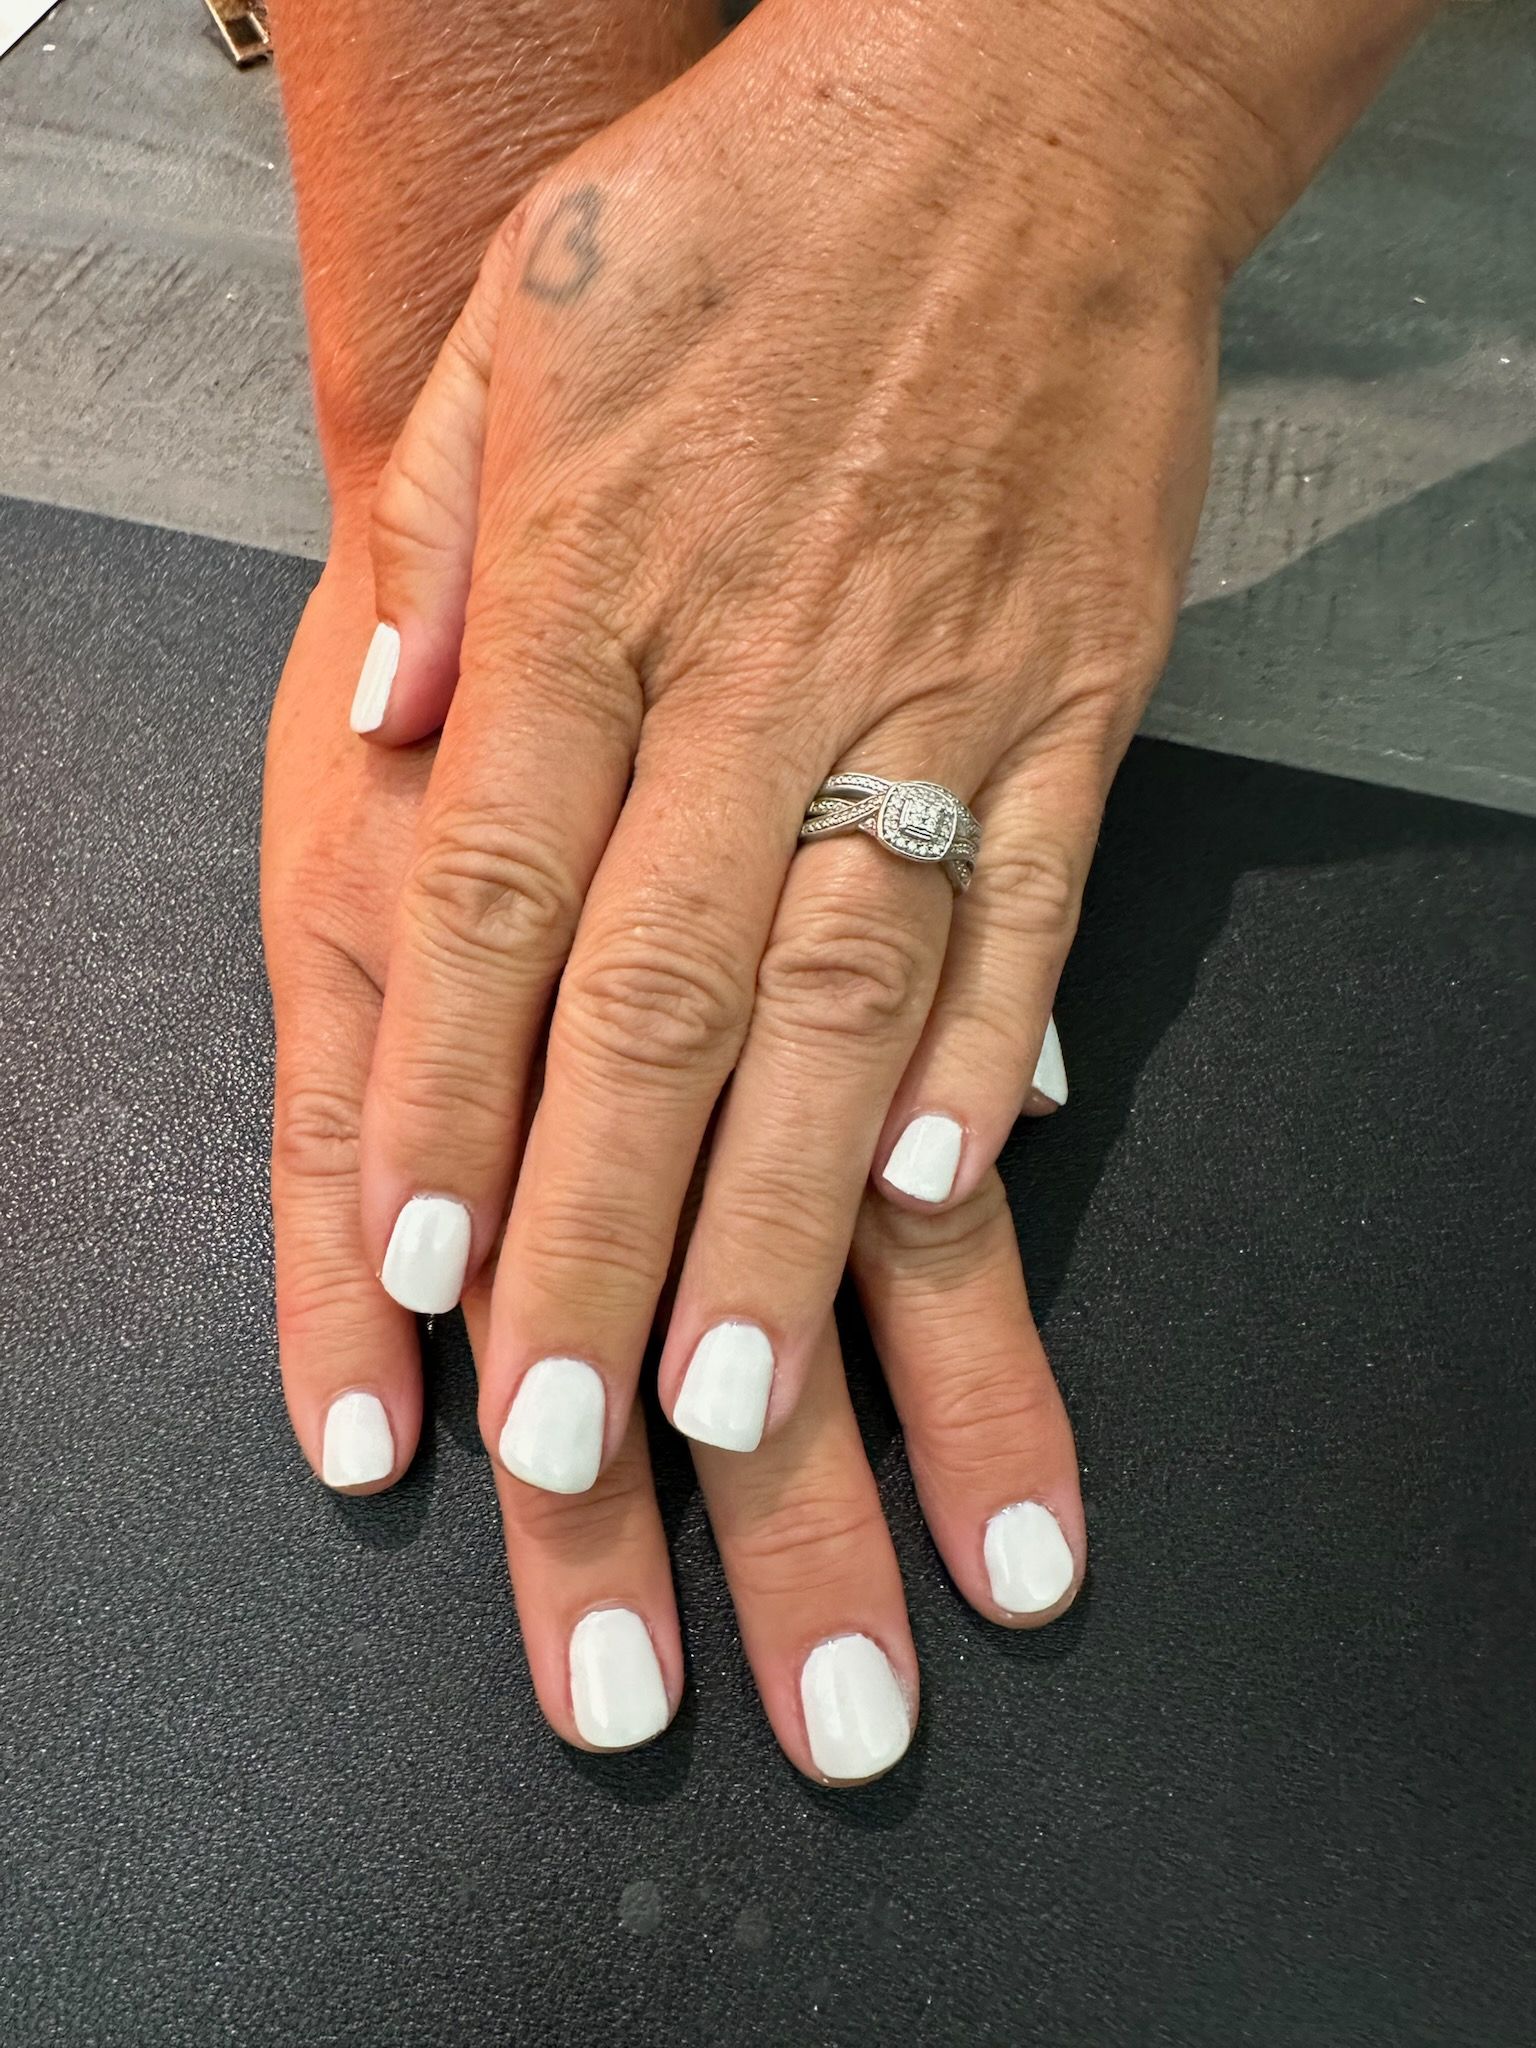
(242, 27)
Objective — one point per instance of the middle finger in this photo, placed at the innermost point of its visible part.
(652, 1010)
(844, 986)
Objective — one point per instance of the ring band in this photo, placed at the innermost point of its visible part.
(919, 821)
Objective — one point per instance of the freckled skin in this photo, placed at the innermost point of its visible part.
(411, 144)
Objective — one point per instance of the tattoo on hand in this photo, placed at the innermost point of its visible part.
(565, 257)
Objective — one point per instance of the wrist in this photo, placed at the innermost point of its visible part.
(1247, 100)
(409, 144)
(1176, 124)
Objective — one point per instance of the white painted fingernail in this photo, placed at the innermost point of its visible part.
(724, 1395)
(359, 1443)
(618, 1695)
(855, 1712)
(1029, 1561)
(370, 700)
(1051, 1068)
(428, 1251)
(553, 1434)
(925, 1158)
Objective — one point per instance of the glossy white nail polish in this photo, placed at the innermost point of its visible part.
(855, 1712)
(724, 1395)
(428, 1251)
(359, 1444)
(1051, 1068)
(370, 700)
(1029, 1561)
(553, 1434)
(925, 1158)
(618, 1695)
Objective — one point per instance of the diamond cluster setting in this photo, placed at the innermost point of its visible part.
(919, 820)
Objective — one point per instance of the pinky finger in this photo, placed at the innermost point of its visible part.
(987, 1433)
(422, 530)
(350, 1361)
(989, 1049)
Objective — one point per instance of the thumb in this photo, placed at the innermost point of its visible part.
(421, 533)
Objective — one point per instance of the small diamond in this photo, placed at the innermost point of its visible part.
(919, 819)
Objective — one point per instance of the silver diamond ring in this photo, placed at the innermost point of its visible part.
(917, 820)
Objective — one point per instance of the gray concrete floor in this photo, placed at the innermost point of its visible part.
(1362, 600)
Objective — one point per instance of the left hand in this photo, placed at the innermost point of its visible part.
(799, 1528)
(847, 405)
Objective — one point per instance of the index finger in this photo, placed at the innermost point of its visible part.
(528, 778)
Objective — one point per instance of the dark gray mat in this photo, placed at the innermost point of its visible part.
(271, 1768)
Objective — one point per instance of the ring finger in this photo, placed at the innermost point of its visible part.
(842, 993)
(593, 1588)
(989, 1048)
(986, 1430)
(816, 1585)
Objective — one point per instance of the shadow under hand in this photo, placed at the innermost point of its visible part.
(1181, 831)
(1420, 590)
(646, 1776)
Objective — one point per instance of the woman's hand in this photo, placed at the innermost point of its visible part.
(844, 407)
(787, 610)
(799, 1527)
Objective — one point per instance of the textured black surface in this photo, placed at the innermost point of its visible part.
(272, 1769)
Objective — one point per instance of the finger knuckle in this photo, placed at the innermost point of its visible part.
(321, 923)
(1033, 891)
(785, 1217)
(587, 546)
(409, 517)
(457, 1088)
(485, 890)
(982, 1029)
(315, 1134)
(604, 1254)
(938, 1249)
(979, 1411)
(811, 1543)
(664, 1008)
(546, 616)
(841, 973)
(584, 1529)
(322, 1293)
